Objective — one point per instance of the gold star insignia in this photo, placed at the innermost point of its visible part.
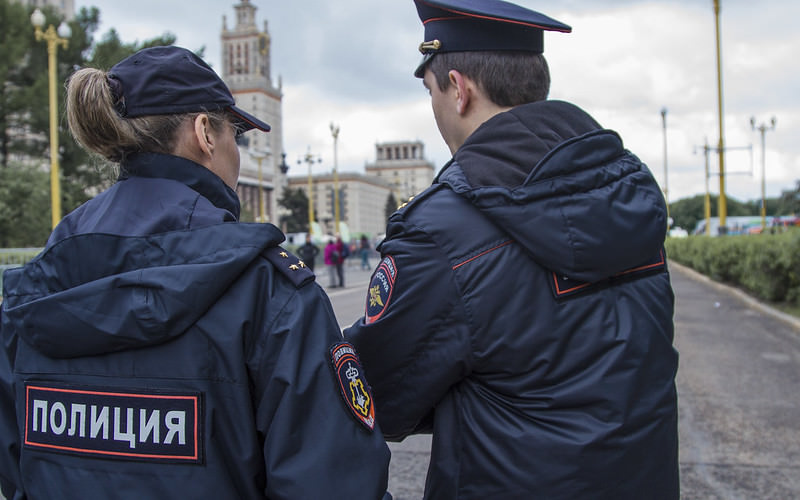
(284, 255)
(294, 267)
(301, 263)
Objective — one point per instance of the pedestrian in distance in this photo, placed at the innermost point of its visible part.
(364, 251)
(343, 252)
(308, 252)
(157, 348)
(333, 258)
(537, 346)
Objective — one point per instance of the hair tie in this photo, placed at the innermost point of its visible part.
(116, 95)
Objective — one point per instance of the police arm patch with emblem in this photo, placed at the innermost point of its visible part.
(380, 290)
(353, 386)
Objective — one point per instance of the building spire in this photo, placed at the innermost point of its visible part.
(245, 16)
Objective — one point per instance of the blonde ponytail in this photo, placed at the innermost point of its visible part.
(98, 127)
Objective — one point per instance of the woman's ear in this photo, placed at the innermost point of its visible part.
(204, 135)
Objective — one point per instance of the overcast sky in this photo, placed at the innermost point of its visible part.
(351, 63)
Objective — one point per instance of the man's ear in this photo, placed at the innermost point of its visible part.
(463, 90)
(204, 135)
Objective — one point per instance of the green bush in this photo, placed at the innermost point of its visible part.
(14, 257)
(765, 265)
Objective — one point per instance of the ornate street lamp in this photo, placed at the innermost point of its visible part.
(53, 39)
(283, 166)
(310, 159)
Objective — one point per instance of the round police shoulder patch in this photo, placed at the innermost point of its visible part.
(380, 290)
(353, 386)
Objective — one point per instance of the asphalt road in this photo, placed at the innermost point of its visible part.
(738, 394)
(738, 380)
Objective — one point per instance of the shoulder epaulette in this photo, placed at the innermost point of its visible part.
(289, 265)
(405, 207)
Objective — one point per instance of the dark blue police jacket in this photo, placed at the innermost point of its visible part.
(155, 351)
(522, 312)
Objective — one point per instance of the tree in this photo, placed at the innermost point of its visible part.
(24, 94)
(111, 49)
(296, 202)
(687, 212)
(24, 190)
(789, 202)
(391, 205)
(16, 39)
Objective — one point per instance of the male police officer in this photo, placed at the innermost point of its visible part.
(537, 344)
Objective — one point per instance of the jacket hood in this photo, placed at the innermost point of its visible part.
(586, 209)
(96, 293)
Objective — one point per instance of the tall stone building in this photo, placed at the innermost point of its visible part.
(246, 70)
(403, 166)
(400, 168)
(362, 201)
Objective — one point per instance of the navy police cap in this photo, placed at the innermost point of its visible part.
(172, 80)
(477, 25)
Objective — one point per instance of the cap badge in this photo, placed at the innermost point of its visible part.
(431, 46)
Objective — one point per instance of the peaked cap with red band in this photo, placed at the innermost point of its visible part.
(478, 25)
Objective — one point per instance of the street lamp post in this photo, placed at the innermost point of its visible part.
(335, 134)
(666, 182)
(763, 129)
(53, 39)
(723, 204)
(707, 199)
(283, 166)
(259, 155)
(310, 159)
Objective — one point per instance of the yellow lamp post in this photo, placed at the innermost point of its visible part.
(763, 129)
(259, 155)
(53, 39)
(723, 204)
(335, 133)
(310, 159)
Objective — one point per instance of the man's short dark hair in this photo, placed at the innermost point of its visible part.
(508, 78)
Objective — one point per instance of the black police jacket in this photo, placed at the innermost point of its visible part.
(522, 312)
(155, 351)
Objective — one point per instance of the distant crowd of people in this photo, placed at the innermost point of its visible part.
(336, 254)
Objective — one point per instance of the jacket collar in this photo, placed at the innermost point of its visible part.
(194, 175)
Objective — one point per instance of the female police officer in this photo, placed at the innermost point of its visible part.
(157, 348)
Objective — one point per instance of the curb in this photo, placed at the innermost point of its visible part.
(761, 306)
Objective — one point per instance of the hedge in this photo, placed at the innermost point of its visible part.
(765, 265)
(14, 257)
